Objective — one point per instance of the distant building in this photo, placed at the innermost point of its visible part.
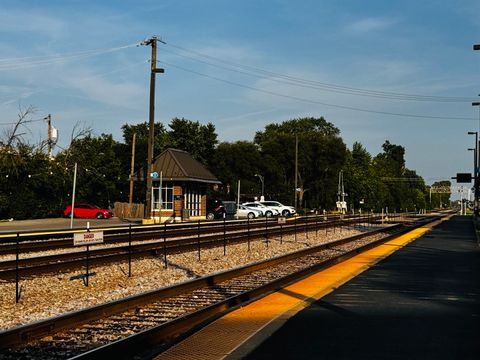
(179, 186)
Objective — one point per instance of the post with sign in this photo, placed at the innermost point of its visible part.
(86, 239)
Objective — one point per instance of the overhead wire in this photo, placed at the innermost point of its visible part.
(41, 60)
(313, 101)
(274, 76)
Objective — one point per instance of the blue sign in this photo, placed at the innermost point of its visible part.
(154, 175)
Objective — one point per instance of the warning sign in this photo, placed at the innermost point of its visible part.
(88, 238)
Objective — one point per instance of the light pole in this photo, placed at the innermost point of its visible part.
(262, 198)
(476, 173)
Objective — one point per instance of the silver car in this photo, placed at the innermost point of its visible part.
(282, 209)
(266, 211)
(246, 212)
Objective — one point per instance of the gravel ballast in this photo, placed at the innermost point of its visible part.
(58, 293)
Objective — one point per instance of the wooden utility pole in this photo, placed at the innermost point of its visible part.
(49, 141)
(151, 123)
(296, 169)
(130, 198)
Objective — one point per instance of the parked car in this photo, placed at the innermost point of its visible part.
(82, 210)
(245, 212)
(266, 211)
(215, 209)
(282, 209)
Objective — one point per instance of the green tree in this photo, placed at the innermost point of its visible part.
(240, 160)
(100, 176)
(196, 139)
(321, 155)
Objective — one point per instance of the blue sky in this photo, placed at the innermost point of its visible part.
(416, 48)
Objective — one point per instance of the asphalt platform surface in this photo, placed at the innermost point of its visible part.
(422, 302)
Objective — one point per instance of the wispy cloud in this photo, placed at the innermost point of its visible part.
(370, 24)
(17, 21)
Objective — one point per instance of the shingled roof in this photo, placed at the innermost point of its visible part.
(178, 165)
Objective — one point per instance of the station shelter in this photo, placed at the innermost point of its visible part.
(179, 187)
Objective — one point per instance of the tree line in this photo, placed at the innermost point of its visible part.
(34, 186)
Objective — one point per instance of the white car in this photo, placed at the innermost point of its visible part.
(245, 212)
(266, 211)
(282, 209)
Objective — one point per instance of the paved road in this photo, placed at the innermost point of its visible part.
(57, 224)
(422, 302)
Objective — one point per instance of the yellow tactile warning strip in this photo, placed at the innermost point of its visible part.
(220, 338)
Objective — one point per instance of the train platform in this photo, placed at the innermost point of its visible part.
(415, 297)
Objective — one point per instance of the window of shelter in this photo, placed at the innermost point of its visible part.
(163, 200)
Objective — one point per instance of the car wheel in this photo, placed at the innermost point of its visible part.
(269, 214)
(285, 213)
(210, 216)
(251, 215)
(99, 216)
(68, 215)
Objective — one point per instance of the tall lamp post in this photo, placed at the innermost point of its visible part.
(476, 192)
(262, 198)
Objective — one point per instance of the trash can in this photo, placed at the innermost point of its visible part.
(185, 214)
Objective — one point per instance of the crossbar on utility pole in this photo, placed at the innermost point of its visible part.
(151, 121)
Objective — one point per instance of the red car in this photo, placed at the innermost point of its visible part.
(87, 211)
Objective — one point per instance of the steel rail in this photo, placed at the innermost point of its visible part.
(44, 240)
(39, 329)
(49, 263)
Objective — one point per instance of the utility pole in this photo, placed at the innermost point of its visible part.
(130, 198)
(296, 169)
(341, 193)
(50, 140)
(151, 123)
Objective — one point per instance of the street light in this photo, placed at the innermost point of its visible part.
(262, 198)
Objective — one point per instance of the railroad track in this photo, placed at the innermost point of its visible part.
(164, 242)
(142, 325)
(26, 242)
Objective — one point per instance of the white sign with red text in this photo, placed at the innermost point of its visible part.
(88, 238)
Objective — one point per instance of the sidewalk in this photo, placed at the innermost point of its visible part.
(422, 302)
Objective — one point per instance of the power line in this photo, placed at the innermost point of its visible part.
(314, 101)
(42, 60)
(255, 71)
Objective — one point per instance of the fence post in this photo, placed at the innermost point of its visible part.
(306, 223)
(281, 234)
(248, 233)
(224, 237)
(17, 275)
(325, 218)
(130, 250)
(88, 263)
(165, 243)
(266, 230)
(295, 225)
(198, 239)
